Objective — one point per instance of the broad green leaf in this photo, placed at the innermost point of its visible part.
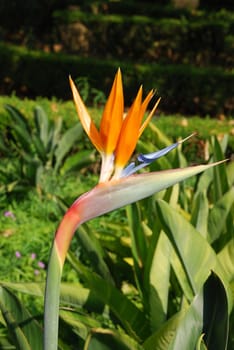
(230, 173)
(132, 319)
(200, 211)
(54, 135)
(204, 181)
(172, 195)
(67, 141)
(79, 322)
(225, 257)
(36, 289)
(23, 141)
(94, 252)
(220, 185)
(200, 344)
(178, 268)
(159, 282)
(190, 327)
(105, 339)
(78, 161)
(215, 314)
(72, 294)
(192, 249)
(161, 339)
(223, 143)
(39, 148)
(42, 125)
(25, 330)
(218, 215)
(138, 241)
(17, 118)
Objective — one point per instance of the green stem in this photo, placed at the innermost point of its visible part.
(51, 306)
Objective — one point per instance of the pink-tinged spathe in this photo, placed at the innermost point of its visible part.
(114, 194)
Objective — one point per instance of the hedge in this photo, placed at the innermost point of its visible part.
(198, 40)
(184, 88)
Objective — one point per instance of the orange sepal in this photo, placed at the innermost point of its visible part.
(85, 118)
(129, 132)
(112, 117)
(147, 120)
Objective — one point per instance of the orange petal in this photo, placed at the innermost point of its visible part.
(129, 132)
(112, 115)
(147, 120)
(85, 118)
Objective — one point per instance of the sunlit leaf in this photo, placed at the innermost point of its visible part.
(190, 327)
(159, 282)
(161, 339)
(225, 256)
(192, 249)
(200, 213)
(218, 215)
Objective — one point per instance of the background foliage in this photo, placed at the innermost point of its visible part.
(187, 55)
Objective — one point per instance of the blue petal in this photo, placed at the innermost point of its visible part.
(150, 157)
(146, 159)
(132, 168)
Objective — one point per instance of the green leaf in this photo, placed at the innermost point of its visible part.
(42, 125)
(218, 215)
(18, 118)
(161, 339)
(200, 211)
(159, 282)
(138, 240)
(180, 272)
(230, 173)
(71, 294)
(215, 314)
(80, 323)
(67, 141)
(78, 161)
(36, 289)
(132, 319)
(94, 251)
(23, 142)
(25, 330)
(39, 148)
(192, 249)
(226, 260)
(190, 327)
(54, 135)
(220, 185)
(105, 339)
(200, 344)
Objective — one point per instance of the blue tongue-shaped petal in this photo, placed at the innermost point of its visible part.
(146, 159)
(150, 157)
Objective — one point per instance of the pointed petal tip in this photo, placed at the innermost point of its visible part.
(188, 137)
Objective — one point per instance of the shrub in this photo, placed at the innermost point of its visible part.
(199, 39)
(184, 88)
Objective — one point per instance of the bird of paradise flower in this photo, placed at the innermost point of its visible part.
(118, 184)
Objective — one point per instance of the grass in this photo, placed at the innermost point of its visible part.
(172, 125)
